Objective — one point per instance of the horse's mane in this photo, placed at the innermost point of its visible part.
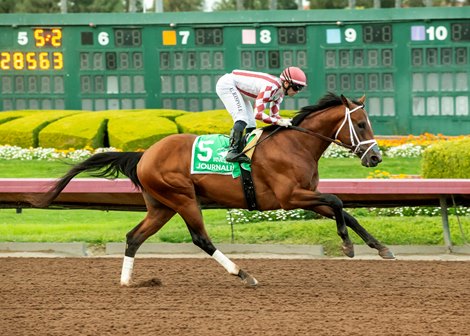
(330, 99)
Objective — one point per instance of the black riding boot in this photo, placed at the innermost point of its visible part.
(250, 129)
(236, 138)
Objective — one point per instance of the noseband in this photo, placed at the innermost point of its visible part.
(356, 143)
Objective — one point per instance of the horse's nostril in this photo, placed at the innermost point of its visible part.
(375, 159)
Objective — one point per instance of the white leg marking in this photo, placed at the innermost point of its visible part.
(231, 267)
(126, 273)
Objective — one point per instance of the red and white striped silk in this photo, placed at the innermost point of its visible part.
(264, 89)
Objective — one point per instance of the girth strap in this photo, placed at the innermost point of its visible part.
(248, 188)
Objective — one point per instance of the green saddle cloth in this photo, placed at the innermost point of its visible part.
(208, 156)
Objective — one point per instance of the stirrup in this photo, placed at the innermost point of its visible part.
(237, 158)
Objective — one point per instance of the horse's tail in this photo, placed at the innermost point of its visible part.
(107, 165)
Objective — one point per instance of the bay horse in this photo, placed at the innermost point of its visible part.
(284, 168)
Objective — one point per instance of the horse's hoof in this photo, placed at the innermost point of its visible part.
(385, 253)
(247, 279)
(348, 250)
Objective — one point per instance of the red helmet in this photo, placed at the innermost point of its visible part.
(294, 75)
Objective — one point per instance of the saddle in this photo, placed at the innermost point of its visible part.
(250, 142)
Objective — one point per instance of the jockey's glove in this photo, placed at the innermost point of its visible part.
(284, 122)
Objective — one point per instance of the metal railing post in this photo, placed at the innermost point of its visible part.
(445, 223)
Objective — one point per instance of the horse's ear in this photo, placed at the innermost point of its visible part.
(345, 101)
(362, 100)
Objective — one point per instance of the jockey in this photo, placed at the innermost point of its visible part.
(245, 95)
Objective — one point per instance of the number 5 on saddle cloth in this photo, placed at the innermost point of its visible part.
(208, 157)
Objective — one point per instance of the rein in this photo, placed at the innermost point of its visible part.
(256, 144)
(321, 136)
(303, 130)
(355, 141)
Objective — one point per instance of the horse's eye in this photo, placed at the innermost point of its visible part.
(361, 125)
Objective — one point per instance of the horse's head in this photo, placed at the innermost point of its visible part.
(346, 121)
(355, 130)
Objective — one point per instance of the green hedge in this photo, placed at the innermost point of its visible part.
(447, 159)
(12, 115)
(123, 129)
(24, 131)
(77, 131)
(138, 130)
(287, 113)
(164, 113)
(210, 122)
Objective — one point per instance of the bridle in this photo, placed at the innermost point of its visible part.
(356, 143)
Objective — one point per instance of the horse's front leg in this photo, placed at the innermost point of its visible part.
(337, 206)
(370, 240)
(327, 205)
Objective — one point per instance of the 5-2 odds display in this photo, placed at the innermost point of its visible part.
(42, 54)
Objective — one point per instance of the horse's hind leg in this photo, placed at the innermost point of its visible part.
(157, 216)
(372, 242)
(193, 217)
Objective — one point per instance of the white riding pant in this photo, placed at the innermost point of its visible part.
(239, 106)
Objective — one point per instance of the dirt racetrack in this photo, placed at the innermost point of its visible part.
(82, 296)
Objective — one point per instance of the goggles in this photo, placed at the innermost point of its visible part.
(296, 87)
